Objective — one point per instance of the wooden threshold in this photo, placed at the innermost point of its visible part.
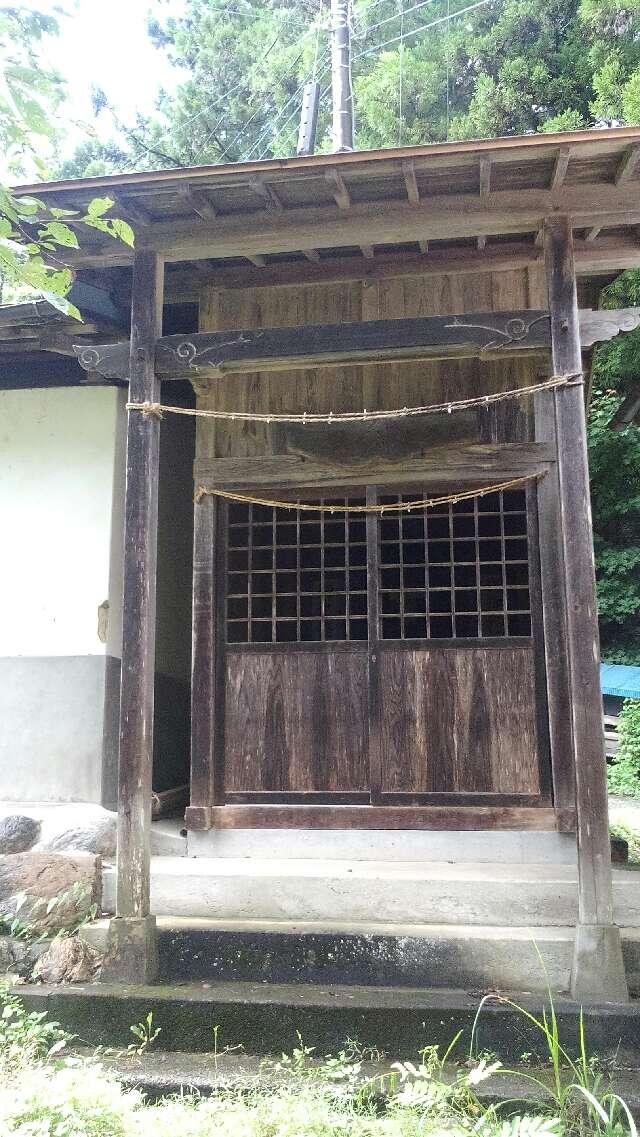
(454, 818)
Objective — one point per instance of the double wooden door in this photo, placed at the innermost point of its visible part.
(369, 659)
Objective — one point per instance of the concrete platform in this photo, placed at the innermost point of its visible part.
(374, 892)
(473, 957)
(267, 1019)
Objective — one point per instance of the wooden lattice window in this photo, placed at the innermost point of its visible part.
(294, 576)
(457, 571)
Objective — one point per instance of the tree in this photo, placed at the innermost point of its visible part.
(33, 235)
(425, 74)
(614, 461)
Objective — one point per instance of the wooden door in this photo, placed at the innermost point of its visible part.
(381, 661)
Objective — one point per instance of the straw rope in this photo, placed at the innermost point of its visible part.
(158, 410)
(387, 507)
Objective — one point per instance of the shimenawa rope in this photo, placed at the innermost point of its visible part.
(158, 410)
(386, 507)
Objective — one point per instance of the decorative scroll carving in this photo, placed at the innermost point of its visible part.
(110, 360)
(515, 330)
(598, 326)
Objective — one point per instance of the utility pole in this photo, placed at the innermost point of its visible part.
(308, 119)
(342, 93)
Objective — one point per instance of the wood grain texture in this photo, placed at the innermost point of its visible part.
(594, 855)
(296, 721)
(458, 721)
(462, 818)
(139, 598)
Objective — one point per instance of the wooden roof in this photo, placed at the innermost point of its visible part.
(341, 213)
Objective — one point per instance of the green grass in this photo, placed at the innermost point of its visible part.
(45, 1092)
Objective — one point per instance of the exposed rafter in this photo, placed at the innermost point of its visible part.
(628, 165)
(485, 177)
(339, 189)
(560, 167)
(199, 202)
(265, 191)
(410, 181)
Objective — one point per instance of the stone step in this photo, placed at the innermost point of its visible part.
(270, 1019)
(503, 895)
(472, 957)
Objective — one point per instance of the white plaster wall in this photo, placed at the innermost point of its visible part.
(57, 452)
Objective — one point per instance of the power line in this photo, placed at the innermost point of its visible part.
(424, 27)
(395, 16)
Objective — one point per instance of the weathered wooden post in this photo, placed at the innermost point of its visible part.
(598, 969)
(131, 950)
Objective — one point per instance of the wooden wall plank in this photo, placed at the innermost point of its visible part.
(458, 721)
(296, 722)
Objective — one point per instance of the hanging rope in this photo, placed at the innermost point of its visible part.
(158, 410)
(387, 507)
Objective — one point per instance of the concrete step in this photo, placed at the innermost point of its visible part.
(270, 1019)
(374, 892)
(473, 957)
(504, 846)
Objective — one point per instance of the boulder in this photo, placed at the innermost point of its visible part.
(49, 891)
(80, 829)
(18, 833)
(68, 960)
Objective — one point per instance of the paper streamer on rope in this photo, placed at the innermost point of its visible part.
(157, 410)
(387, 507)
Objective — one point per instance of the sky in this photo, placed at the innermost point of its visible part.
(106, 45)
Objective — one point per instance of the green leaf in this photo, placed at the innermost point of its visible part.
(98, 207)
(60, 233)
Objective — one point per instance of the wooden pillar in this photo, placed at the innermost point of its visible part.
(598, 970)
(131, 953)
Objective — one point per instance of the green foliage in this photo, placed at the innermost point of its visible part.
(614, 461)
(33, 235)
(26, 1036)
(624, 773)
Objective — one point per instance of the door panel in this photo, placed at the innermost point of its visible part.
(296, 721)
(458, 720)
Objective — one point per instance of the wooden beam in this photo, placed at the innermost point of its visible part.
(367, 252)
(439, 218)
(131, 954)
(560, 167)
(198, 201)
(339, 188)
(377, 817)
(593, 233)
(628, 165)
(485, 177)
(598, 970)
(312, 255)
(265, 191)
(481, 243)
(257, 259)
(502, 257)
(410, 181)
(462, 464)
(334, 345)
(131, 211)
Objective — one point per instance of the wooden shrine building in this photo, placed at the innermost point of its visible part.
(365, 658)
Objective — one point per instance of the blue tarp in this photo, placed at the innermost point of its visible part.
(620, 679)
